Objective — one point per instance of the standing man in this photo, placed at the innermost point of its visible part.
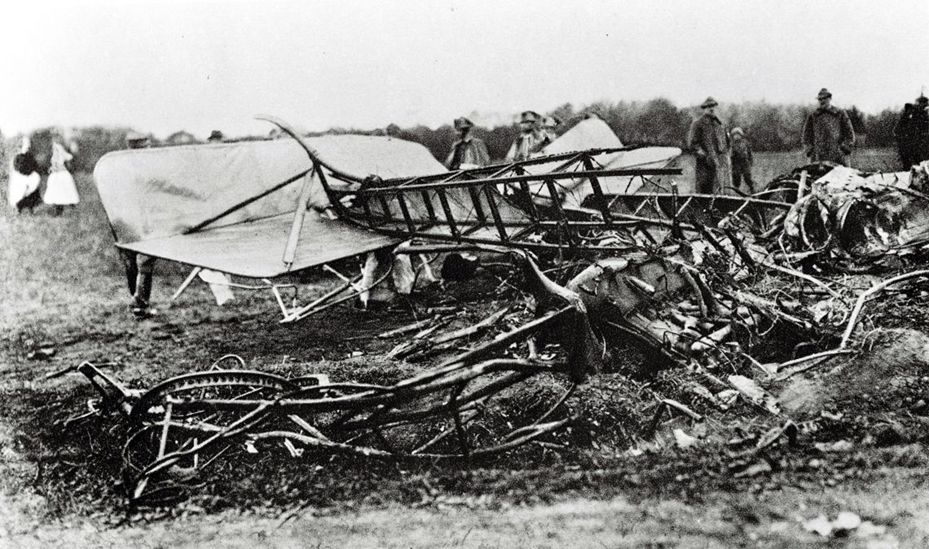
(828, 135)
(529, 138)
(549, 130)
(921, 130)
(741, 160)
(710, 144)
(912, 133)
(467, 151)
(139, 267)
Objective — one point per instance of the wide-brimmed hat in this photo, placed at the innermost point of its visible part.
(215, 135)
(462, 122)
(823, 94)
(737, 131)
(529, 116)
(135, 136)
(709, 102)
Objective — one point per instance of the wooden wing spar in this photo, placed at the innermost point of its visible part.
(262, 209)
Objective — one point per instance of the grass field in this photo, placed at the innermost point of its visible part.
(63, 288)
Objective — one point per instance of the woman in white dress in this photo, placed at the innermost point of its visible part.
(24, 179)
(60, 190)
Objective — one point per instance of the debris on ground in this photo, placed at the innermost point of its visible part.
(751, 309)
(845, 524)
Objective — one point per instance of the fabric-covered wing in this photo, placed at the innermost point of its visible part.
(229, 207)
(255, 248)
(594, 133)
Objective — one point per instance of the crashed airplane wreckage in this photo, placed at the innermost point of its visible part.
(699, 282)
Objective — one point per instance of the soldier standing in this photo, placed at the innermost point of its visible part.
(710, 144)
(549, 128)
(921, 130)
(529, 138)
(828, 134)
(467, 151)
(741, 160)
(912, 133)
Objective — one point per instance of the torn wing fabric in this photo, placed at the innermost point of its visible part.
(155, 197)
(594, 133)
(587, 134)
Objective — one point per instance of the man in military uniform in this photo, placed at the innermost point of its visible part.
(912, 133)
(549, 130)
(921, 130)
(710, 144)
(828, 134)
(529, 139)
(467, 151)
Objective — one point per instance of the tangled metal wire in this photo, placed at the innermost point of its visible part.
(182, 424)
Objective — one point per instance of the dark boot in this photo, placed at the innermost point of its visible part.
(142, 296)
(132, 270)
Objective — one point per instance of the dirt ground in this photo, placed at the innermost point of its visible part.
(861, 446)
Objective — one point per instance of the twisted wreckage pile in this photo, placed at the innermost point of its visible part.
(733, 292)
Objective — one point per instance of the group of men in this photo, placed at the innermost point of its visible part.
(724, 159)
(535, 132)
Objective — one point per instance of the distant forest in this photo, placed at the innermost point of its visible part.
(769, 127)
(659, 122)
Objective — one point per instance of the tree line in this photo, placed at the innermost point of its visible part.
(769, 127)
(659, 122)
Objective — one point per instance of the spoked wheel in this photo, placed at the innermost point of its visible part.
(182, 423)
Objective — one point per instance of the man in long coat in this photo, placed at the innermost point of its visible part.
(828, 134)
(709, 142)
(467, 151)
(912, 133)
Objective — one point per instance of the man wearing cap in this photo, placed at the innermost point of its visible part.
(710, 144)
(741, 160)
(216, 136)
(828, 134)
(549, 125)
(912, 133)
(139, 267)
(529, 138)
(467, 151)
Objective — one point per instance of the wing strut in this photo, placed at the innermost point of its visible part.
(290, 251)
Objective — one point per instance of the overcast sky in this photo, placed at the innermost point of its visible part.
(161, 66)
